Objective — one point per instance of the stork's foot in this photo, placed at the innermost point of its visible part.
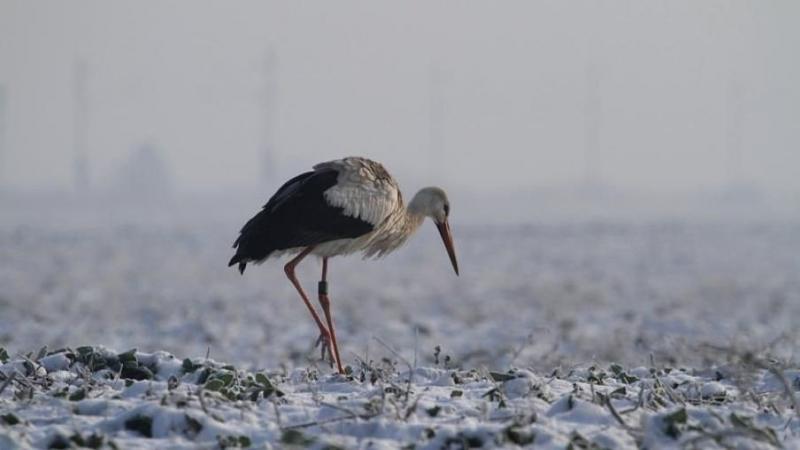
(325, 343)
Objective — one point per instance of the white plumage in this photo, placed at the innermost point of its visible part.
(364, 190)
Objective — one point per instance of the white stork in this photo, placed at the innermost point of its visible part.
(341, 207)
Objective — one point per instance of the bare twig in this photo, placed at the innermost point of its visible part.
(340, 408)
(616, 415)
(668, 390)
(405, 361)
(787, 387)
(8, 381)
(522, 346)
(318, 422)
(393, 352)
(349, 415)
(277, 414)
(750, 358)
(20, 379)
(411, 409)
(200, 395)
(416, 344)
(730, 433)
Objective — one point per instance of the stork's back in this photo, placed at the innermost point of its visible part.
(297, 216)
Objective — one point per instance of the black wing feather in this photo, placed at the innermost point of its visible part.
(297, 215)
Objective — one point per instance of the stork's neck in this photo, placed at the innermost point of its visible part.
(416, 212)
(413, 219)
(400, 225)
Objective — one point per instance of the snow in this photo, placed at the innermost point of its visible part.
(375, 406)
(535, 296)
(687, 330)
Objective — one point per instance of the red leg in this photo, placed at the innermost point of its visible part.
(326, 308)
(325, 336)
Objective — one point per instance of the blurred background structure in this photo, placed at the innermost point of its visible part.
(623, 174)
(655, 103)
(3, 132)
(80, 130)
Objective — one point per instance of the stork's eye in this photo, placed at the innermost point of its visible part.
(446, 209)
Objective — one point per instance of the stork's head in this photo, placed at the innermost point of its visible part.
(432, 202)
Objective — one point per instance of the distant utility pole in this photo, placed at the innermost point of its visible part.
(436, 111)
(270, 79)
(80, 124)
(734, 132)
(3, 135)
(592, 111)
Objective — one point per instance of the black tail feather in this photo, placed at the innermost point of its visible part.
(237, 258)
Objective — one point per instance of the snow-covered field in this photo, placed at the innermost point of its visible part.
(96, 398)
(606, 334)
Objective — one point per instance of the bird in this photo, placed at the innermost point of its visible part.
(340, 207)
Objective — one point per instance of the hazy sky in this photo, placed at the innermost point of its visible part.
(659, 91)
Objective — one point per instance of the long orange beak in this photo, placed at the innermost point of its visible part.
(447, 238)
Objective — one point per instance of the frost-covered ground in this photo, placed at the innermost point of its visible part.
(686, 316)
(535, 296)
(95, 397)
